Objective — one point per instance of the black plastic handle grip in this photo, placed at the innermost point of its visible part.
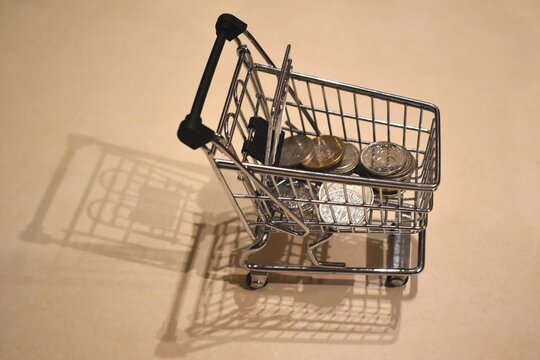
(192, 132)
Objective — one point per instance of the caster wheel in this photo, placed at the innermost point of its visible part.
(256, 280)
(396, 281)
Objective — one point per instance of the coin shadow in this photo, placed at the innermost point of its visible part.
(291, 309)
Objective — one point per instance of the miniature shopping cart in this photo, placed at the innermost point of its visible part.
(264, 103)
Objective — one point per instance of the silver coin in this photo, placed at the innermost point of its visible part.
(409, 167)
(284, 189)
(384, 158)
(351, 158)
(339, 214)
(402, 176)
(295, 149)
(405, 173)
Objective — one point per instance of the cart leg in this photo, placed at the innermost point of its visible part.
(399, 254)
(257, 279)
(312, 246)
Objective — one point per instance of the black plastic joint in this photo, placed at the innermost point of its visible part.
(230, 25)
(193, 133)
(256, 147)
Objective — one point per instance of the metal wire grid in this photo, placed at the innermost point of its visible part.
(357, 115)
(130, 197)
(366, 313)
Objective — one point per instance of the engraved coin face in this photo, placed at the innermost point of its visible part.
(384, 158)
(295, 149)
(284, 189)
(407, 170)
(344, 214)
(351, 158)
(403, 175)
(327, 152)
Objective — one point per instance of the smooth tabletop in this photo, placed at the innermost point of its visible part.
(118, 242)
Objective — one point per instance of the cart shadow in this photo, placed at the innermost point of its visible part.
(112, 201)
(303, 309)
(122, 203)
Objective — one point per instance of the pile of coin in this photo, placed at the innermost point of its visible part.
(388, 160)
(381, 160)
(322, 153)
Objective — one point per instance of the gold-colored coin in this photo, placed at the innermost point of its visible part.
(327, 152)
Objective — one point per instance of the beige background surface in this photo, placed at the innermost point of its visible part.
(91, 89)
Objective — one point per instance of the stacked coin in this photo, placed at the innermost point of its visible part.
(387, 160)
(380, 160)
(351, 158)
(323, 153)
(295, 149)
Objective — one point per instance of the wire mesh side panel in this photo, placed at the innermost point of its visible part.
(356, 115)
(301, 195)
(362, 116)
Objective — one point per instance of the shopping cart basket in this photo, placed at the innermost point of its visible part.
(244, 152)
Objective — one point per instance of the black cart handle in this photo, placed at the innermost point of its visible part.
(192, 132)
